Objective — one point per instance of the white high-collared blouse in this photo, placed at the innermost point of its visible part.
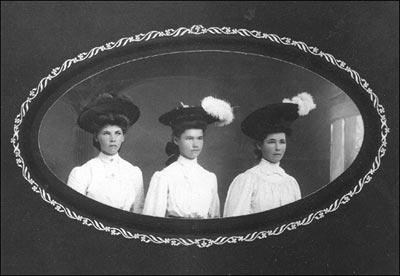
(265, 186)
(110, 180)
(183, 189)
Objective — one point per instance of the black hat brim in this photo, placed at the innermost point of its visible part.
(90, 113)
(272, 118)
(185, 114)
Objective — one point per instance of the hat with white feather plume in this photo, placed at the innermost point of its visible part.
(212, 110)
(277, 117)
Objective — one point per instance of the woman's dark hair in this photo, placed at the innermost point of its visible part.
(257, 151)
(179, 128)
(109, 119)
(171, 149)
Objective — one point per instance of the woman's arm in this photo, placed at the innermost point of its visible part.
(215, 211)
(157, 196)
(139, 192)
(239, 198)
(78, 180)
(296, 189)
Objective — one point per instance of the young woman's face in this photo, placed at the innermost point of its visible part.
(273, 147)
(190, 143)
(110, 139)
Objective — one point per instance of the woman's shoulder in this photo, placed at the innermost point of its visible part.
(290, 178)
(261, 171)
(243, 181)
(129, 165)
(248, 176)
(83, 169)
(169, 170)
(175, 169)
(206, 172)
(87, 165)
(252, 172)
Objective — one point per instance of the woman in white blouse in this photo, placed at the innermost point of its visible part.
(267, 186)
(108, 178)
(184, 189)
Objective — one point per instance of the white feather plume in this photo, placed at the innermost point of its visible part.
(304, 101)
(219, 109)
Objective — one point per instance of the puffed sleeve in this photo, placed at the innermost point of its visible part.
(139, 191)
(79, 179)
(214, 211)
(296, 189)
(157, 196)
(239, 198)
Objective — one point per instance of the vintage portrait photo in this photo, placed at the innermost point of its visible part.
(216, 133)
(210, 138)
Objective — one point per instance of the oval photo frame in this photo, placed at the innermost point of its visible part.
(202, 233)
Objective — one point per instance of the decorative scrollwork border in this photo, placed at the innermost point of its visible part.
(200, 30)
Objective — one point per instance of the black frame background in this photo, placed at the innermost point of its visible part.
(361, 237)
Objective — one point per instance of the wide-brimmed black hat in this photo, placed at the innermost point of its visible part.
(271, 118)
(105, 104)
(277, 117)
(212, 110)
(184, 114)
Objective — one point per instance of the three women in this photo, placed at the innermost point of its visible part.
(184, 189)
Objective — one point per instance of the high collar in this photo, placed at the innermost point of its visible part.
(268, 163)
(273, 167)
(187, 162)
(109, 158)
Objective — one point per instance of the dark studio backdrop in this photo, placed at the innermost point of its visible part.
(361, 237)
